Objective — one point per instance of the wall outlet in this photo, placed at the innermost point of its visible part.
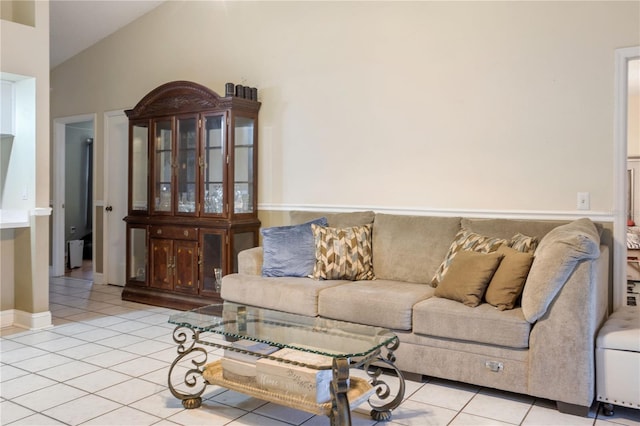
(72, 230)
(583, 201)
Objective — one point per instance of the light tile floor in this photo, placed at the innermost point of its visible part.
(105, 362)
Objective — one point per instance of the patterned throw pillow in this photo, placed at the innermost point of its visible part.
(466, 240)
(524, 243)
(343, 253)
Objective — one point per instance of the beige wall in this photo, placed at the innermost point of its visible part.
(7, 287)
(24, 50)
(422, 105)
(414, 106)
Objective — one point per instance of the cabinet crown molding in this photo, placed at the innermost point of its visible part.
(178, 97)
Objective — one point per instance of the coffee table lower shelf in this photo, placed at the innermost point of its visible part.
(359, 392)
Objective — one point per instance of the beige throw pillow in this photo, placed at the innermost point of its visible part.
(468, 277)
(508, 281)
(466, 240)
(343, 253)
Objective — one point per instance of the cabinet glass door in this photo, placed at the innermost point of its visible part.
(187, 165)
(213, 156)
(211, 261)
(243, 201)
(137, 255)
(163, 165)
(139, 167)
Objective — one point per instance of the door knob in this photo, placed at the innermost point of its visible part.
(109, 208)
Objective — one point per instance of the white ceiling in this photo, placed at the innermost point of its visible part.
(77, 24)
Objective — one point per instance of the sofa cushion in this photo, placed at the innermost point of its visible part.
(468, 277)
(335, 220)
(508, 228)
(289, 294)
(342, 253)
(508, 281)
(380, 303)
(289, 251)
(452, 320)
(470, 241)
(410, 248)
(555, 259)
(250, 261)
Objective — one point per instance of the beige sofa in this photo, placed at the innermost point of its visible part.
(544, 347)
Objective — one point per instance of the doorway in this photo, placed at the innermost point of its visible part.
(623, 59)
(633, 183)
(72, 251)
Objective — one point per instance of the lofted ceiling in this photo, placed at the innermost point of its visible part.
(78, 24)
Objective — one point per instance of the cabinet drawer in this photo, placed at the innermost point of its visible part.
(174, 232)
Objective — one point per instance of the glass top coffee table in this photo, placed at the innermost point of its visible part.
(284, 358)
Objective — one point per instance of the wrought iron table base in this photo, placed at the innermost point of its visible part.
(340, 411)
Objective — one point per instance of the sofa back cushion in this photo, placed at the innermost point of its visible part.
(410, 248)
(508, 228)
(335, 220)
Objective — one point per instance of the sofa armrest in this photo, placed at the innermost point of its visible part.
(562, 341)
(250, 261)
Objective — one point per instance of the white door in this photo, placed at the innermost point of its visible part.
(116, 128)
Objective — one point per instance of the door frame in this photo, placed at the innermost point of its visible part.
(58, 167)
(622, 58)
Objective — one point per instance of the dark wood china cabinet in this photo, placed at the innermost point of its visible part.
(192, 192)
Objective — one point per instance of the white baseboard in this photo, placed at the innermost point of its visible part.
(22, 319)
(98, 278)
(6, 318)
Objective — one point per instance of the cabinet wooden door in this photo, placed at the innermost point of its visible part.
(161, 263)
(174, 265)
(186, 270)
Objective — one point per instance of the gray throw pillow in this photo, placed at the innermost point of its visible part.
(555, 259)
(289, 251)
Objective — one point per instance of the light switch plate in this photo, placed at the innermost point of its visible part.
(583, 201)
